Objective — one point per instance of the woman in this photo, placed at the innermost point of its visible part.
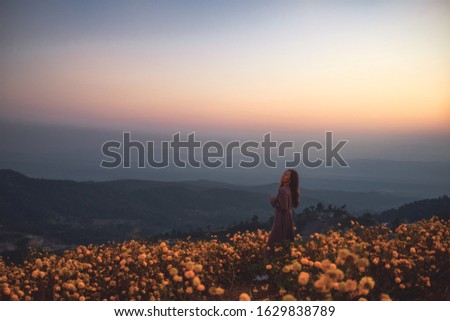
(283, 224)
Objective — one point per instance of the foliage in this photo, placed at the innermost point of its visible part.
(360, 263)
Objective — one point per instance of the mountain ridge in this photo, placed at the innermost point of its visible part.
(60, 213)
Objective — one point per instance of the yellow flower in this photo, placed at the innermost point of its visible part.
(363, 262)
(335, 274)
(303, 278)
(6, 291)
(212, 290)
(244, 297)
(35, 274)
(365, 285)
(38, 263)
(286, 269)
(343, 253)
(326, 264)
(178, 278)
(196, 281)
(385, 297)
(351, 285)
(296, 266)
(189, 274)
(289, 297)
(323, 284)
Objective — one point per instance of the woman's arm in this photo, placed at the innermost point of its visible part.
(281, 200)
(273, 201)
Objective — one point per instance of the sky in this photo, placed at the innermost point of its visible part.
(374, 72)
(353, 65)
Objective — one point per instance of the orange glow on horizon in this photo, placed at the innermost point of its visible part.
(365, 72)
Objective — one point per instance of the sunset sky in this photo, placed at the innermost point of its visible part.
(354, 66)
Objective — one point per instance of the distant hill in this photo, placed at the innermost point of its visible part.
(356, 202)
(423, 209)
(321, 219)
(59, 213)
(32, 205)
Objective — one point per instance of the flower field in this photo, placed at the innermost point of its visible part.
(376, 263)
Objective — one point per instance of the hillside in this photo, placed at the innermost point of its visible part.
(83, 212)
(376, 263)
(27, 198)
(57, 214)
(419, 210)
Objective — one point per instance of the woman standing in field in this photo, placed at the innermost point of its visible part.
(283, 224)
